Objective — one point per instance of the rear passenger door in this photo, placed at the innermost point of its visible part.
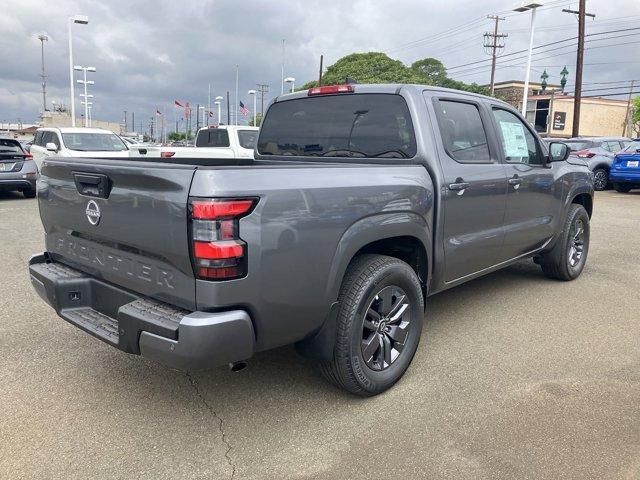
(474, 191)
(534, 196)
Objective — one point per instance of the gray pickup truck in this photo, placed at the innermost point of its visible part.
(362, 200)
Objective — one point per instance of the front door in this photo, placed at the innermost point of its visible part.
(475, 189)
(534, 196)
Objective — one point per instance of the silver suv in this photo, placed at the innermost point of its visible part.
(598, 152)
(18, 171)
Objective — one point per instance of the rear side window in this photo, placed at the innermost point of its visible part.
(37, 140)
(248, 138)
(463, 134)
(367, 125)
(213, 137)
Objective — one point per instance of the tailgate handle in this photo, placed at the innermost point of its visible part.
(92, 184)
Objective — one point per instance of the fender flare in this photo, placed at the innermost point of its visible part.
(363, 232)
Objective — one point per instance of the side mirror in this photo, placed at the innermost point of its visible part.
(558, 152)
(51, 147)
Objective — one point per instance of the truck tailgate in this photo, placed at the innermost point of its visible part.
(122, 222)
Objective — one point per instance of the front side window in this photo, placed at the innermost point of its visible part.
(37, 140)
(93, 142)
(213, 137)
(248, 138)
(463, 134)
(518, 143)
(361, 125)
(47, 137)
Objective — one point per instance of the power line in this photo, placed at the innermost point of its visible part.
(546, 45)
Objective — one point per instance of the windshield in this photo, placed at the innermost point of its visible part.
(9, 146)
(93, 142)
(248, 138)
(348, 125)
(575, 145)
(633, 147)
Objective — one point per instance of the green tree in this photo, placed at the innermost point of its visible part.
(177, 136)
(371, 67)
(258, 120)
(431, 69)
(376, 67)
(635, 116)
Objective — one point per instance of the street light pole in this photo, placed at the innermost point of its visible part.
(43, 38)
(82, 20)
(292, 81)
(253, 94)
(217, 102)
(525, 94)
(85, 82)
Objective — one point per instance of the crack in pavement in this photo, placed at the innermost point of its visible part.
(220, 424)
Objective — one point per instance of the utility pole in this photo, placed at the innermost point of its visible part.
(228, 109)
(577, 97)
(626, 117)
(125, 121)
(43, 38)
(262, 89)
(320, 74)
(133, 121)
(282, 70)
(493, 42)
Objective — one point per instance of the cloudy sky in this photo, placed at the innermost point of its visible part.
(148, 53)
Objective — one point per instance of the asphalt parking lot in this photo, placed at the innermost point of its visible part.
(516, 376)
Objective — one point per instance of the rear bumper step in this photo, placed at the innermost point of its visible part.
(138, 325)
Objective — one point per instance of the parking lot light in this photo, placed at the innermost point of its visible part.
(292, 81)
(523, 8)
(81, 20)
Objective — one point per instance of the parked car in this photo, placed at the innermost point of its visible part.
(362, 201)
(625, 170)
(598, 152)
(18, 171)
(76, 142)
(225, 141)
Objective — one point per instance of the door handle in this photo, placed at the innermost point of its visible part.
(459, 186)
(515, 181)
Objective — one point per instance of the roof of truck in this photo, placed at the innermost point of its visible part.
(76, 130)
(393, 88)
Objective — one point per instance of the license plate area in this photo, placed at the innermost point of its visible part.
(632, 163)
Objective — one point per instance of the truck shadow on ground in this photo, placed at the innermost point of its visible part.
(11, 196)
(281, 375)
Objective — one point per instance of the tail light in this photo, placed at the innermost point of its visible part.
(28, 156)
(330, 90)
(167, 154)
(585, 154)
(218, 251)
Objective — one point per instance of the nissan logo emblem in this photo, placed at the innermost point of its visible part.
(93, 212)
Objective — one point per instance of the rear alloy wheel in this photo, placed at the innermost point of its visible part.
(600, 179)
(378, 326)
(622, 187)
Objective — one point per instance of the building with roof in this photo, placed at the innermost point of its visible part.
(551, 111)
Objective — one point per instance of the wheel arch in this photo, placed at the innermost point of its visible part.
(405, 236)
(585, 200)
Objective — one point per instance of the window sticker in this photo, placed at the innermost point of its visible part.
(515, 141)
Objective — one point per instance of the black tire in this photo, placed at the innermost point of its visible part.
(622, 187)
(600, 179)
(30, 193)
(372, 283)
(568, 257)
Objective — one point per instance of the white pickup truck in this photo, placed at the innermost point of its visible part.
(224, 141)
